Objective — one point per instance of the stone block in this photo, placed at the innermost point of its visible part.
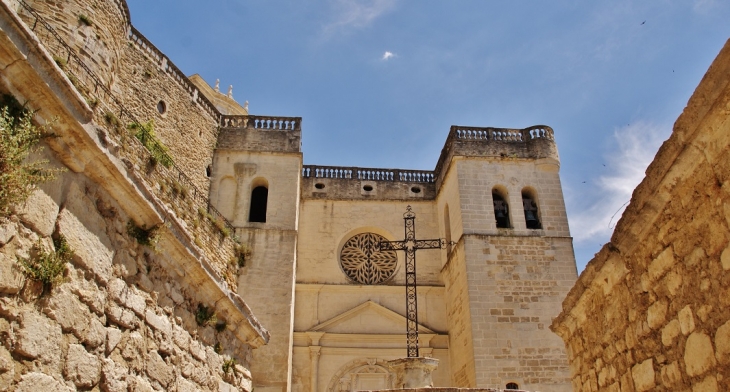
(8, 230)
(699, 356)
(184, 385)
(160, 323)
(92, 248)
(39, 213)
(670, 375)
(38, 336)
(12, 278)
(709, 384)
(158, 370)
(7, 369)
(643, 376)
(686, 320)
(121, 316)
(722, 343)
(226, 387)
(139, 384)
(113, 337)
(36, 382)
(75, 317)
(82, 368)
(656, 314)
(670, 332)
(725, 259)
(661, 264)
(114, 376)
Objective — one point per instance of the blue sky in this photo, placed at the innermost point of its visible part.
(379, 82)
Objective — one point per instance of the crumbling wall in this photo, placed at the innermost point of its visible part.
(652, 310)
(119, 320)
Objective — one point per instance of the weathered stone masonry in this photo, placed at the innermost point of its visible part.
(651, 312)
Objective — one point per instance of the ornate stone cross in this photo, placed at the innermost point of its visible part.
(410, 245)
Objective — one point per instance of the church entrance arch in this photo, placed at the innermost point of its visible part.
(362, 374)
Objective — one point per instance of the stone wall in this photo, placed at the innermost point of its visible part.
(120, 319)
(652, 310)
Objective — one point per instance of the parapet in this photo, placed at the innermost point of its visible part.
(535, 142)
(260, 134)
(338, 182)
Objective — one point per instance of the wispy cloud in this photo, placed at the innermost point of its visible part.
(704, 6)
(636, 146)
(357, 13)
(387, 55)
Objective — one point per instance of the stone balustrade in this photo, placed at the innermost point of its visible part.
(370, 174)
(262, 122)
(501, 134)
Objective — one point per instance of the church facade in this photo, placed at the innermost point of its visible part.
(317, 277)
(335, 302)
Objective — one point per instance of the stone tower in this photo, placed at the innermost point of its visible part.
(500, 200)
(255, 184)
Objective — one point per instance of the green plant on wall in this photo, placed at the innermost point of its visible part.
(47, 267)
(148, 237)
(85, 20)
(229, 365)
(145, 133)
(205, 316)
(18, 138)
(243, 253)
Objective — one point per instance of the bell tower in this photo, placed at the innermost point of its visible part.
(255, 182)
(500, 201)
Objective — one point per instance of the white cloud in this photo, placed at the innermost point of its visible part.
(637, 145)
(387, 55)
(357, 13)
(704, 6)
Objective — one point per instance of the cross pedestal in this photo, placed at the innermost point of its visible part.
(413, 372)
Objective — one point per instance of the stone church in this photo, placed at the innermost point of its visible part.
(335, 303)
(321, 303)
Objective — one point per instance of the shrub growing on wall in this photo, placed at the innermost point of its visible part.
(18, 138)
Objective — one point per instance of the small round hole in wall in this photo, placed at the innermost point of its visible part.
(416, 189)
(162, 107)
(319, 185)
(367, 188)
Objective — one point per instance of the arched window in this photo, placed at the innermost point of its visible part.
(501, 208)
(259, 197)
(529, 203)
(447, 228)
(512, 386)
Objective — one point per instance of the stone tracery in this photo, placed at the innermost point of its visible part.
(363, 262)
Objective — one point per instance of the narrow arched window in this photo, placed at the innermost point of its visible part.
(512, 386)
(501, 209)
(529, 203)
(259, 198)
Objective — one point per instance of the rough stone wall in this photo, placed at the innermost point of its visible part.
(119, 320)
(186, 128)
(100, 43)
(652, 310)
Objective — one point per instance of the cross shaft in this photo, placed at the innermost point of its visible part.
(410, 245)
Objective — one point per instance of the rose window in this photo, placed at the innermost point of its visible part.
(363, 262)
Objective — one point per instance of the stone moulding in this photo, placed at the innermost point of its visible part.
(79, 146)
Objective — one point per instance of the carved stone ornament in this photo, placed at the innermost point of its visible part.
(363, 262)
